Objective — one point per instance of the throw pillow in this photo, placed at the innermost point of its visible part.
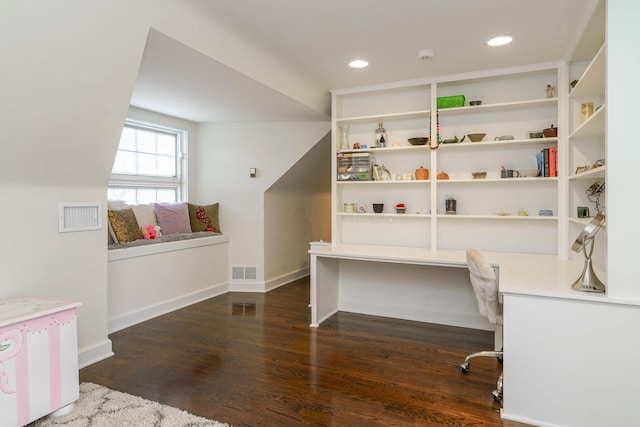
(173, 217)
(204, 218)
(145, 215)
(124, 225)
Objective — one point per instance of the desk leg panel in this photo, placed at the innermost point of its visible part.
(325, 278)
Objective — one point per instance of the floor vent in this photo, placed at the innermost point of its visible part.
(80, 216)
(244, 272)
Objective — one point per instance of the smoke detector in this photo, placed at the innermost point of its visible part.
(425, 54)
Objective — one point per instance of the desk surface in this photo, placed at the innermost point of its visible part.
(519, 273)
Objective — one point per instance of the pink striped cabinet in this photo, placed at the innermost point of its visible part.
(38, 358)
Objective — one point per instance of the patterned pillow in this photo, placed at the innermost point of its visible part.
(204, 218)
(124, 225)
(173, 218)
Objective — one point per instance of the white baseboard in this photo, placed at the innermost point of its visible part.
(90, 355)
(164, 307)
(276, 282)
(269, 285)
(239, 286)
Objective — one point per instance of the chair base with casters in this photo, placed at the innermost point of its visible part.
(497, 393)
(465, 366)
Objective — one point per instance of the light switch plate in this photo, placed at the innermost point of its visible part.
(252, 172)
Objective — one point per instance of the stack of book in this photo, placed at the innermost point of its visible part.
(548, 162)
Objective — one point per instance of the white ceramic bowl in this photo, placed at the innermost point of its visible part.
(528, 173)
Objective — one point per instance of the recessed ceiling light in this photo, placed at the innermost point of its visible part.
(358, 63)
(500, 41)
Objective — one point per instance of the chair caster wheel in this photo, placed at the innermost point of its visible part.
(464, 367)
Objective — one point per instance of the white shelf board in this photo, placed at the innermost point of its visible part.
(385, 215)
(385, 117)
(511, 217)
(596, 173)
(399, 182)
(424, 148)
(494, 143)
(522, 180)
(580, 221)
(542, 102)
(592, 81)
(593, 126)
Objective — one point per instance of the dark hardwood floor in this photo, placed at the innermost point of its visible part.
(252, 360)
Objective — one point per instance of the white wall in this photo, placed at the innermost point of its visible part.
(623, 149)
(38, 260)
(297, 211)
(225, 154)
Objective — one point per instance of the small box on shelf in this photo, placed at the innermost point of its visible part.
(355, 167)
(450, 101)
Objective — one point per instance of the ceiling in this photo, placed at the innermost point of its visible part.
(318, 38)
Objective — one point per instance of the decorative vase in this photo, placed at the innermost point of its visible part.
(422, 174)
(344, 137)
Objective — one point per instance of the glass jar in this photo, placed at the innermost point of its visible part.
(450, 206)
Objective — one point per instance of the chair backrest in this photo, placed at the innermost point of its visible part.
(485, 286)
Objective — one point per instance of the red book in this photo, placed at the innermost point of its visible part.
(553, 161)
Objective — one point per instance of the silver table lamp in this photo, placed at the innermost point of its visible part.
(588, 281)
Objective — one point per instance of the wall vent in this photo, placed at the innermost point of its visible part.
(80, 216)
(244, 272)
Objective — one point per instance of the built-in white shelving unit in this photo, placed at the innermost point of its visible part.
(514, 103)
(586, 146)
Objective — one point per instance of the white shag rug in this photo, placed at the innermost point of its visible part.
(99, 406)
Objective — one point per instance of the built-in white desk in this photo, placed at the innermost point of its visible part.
(566, 352)
(544, 275)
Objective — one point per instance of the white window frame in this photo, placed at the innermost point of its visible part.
(179, 182)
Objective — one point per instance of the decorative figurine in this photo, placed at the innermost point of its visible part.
(549, 91)
(381, 136)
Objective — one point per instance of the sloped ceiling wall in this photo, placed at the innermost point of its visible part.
(67, 75)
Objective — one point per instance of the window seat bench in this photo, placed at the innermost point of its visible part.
(149, 278)
(158, 244)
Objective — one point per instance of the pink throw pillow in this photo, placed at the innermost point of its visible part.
(173, 217)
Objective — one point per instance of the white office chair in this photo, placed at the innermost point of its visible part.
(485, 287)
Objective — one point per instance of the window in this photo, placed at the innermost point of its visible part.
(149, 165)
